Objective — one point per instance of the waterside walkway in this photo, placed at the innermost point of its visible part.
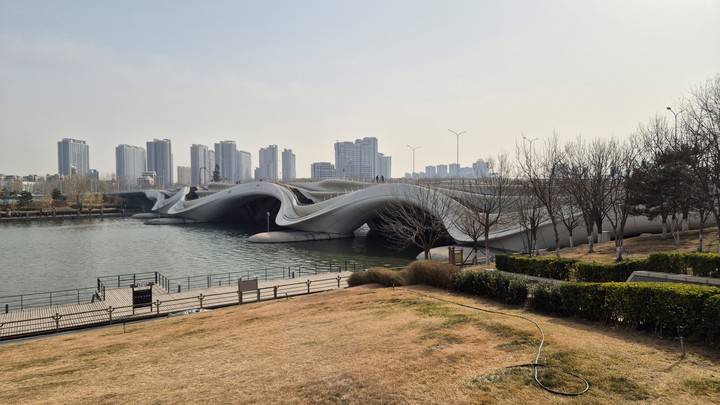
(117, 307)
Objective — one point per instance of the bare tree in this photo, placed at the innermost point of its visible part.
(587, 178)
(530, 214)
(417, 218)
(701, 124)
(75, 187)
(623, 191)
(485, 201)
(542, 173)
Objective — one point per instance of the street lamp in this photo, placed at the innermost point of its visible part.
(413, 149)
(457, 158)
(675, 114)
(531, 142)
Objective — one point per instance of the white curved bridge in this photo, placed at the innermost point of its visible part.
(338, 207)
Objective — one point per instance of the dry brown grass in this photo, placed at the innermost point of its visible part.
(641, 246)
(356, 346)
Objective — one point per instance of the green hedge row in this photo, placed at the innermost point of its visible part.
(547, 267)
(695, 264)
(658, 307)
(492, 284)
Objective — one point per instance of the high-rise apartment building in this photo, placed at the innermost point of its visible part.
(200, 166)
(430, 171)
(160, 161)
(366, 151)
(268, 166)
(130, 163)
(211, 153)
(345, 163)
(480, 168)
(442, 170)
(322, 170)
(384, 166)
(357, 160)
(184, 177)
(288, 164)
(244, 165)
(454, 170)
(226, 158)
(73, 157)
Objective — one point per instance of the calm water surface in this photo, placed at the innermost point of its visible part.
(42, 256)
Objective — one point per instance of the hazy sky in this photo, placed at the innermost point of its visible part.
(303, 74)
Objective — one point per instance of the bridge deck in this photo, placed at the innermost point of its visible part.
(117, 305)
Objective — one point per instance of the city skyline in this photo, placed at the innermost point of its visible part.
(302, 77)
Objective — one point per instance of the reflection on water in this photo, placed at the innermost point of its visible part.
(66, 254)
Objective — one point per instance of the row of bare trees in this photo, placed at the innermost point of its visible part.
(661, 171)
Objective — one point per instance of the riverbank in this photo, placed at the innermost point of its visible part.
(64, 215)
(361, 345)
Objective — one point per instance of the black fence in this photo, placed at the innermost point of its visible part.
(71, 318)
(24, 302)
(177, 284)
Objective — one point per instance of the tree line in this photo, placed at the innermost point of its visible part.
(668, 169)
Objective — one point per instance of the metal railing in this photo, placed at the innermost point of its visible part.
(24, 302)
(177, 284)
(69, 319)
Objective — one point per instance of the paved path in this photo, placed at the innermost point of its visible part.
(117, 306)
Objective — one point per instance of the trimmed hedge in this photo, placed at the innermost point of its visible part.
(666, 262)
(491, 284)
(694, 264)
(557, 268)
(657, 307)
(605, 272)
(703, 264)
(711, 314)
(545, 298)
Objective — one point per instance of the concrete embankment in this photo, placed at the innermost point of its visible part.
(63, 216)
(294, 236)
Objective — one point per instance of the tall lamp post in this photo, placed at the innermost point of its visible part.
(457, 134)
(413, 149)
(531, 142)
(675, 114)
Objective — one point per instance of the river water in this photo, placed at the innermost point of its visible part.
(39, 256)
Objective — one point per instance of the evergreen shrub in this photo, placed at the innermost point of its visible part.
(703, 264)
(556, 268)
(491, 284)
(545, 297)
(593, 272)
(711, 316)
(666, 262)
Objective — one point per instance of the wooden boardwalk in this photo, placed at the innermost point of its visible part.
(117, 306)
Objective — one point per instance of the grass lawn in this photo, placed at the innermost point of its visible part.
(361, 345)
(640, 247)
